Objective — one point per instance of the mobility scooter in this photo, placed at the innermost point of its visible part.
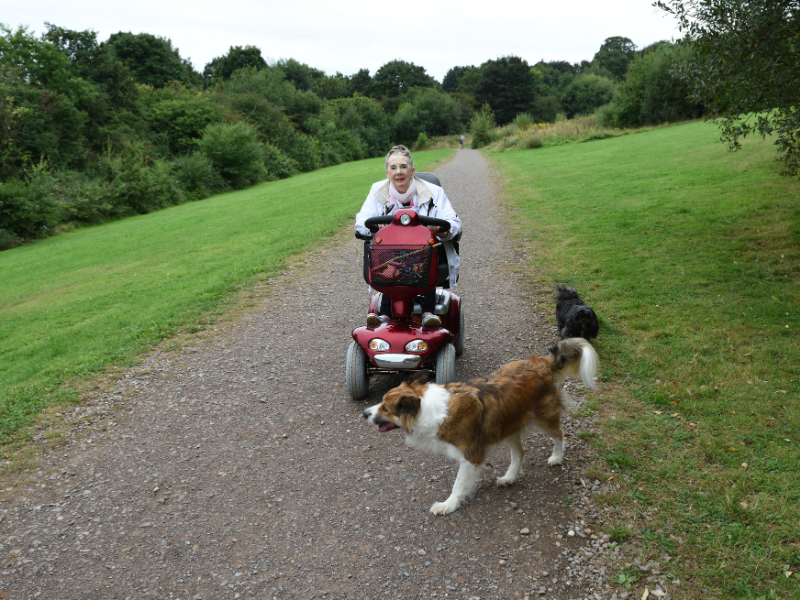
(404, 260)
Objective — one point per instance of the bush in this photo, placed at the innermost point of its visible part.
(545, 109)
(78, 196)
(422, 141)
(137, 183)
(651, 93)
(196, 175)
(8, 240)
(586, 93)
(534, 142)
(482, 127)
(235, 152)
(26, 211)
(426, 110)
(523, 120)
(606, 114)
(278, 166)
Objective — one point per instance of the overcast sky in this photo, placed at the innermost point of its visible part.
(349, 35)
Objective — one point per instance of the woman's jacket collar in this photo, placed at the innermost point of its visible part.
(424, 193)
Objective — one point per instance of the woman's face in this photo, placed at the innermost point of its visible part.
(400, 172)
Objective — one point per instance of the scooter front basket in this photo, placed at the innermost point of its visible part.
(407, 265)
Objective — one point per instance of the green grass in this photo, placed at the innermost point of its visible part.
(690, 255)
(73, 305)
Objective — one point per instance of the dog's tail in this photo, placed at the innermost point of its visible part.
(574, 356)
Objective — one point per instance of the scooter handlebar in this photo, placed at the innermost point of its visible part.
(373, 222)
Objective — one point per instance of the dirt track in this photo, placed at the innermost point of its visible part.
(239, 466)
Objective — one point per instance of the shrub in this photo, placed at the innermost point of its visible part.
(586, 93)
(26, 211)
(196, 175)
(137, 183)
(606, 114)
(523, 120)
(651, 93)
(482, 127)
(235, 152)
(545, 109)
(278, 166)
(78, 196)
(426, 110)
(422, 141)
(8, 240)
(534, 142)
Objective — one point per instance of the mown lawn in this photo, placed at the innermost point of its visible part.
(73, 305)
(690, 255)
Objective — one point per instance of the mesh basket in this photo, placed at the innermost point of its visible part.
(400, 265)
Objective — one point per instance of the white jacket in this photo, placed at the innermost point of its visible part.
(432, 203)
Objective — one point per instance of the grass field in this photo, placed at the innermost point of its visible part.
(73, 305)
(690, 255)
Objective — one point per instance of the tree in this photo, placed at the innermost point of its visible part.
(152, 60)
(586, 93)
(395, 78)
(115, 104)
(429, 111)
(615, 54)
(450, 81)
(744, 67)
(332, 87)
(236, 58)
(299, 74)
(360, 83)
(508, 86)
(652, 93)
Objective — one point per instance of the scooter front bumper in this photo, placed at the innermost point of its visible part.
(397, 335)
(397, 362)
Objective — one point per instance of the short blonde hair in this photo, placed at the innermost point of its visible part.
(398, 150)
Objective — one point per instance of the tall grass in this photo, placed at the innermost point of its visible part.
(690, 255)
(524, 134)
(77, 303)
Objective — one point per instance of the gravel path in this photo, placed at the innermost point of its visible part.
(237, 466)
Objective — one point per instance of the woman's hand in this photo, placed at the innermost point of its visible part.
(434, 229)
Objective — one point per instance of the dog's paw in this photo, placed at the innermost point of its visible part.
(444, 508)
(555, 460)
(488, 468)
(505, 481)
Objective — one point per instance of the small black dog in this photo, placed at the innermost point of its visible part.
(574, 317)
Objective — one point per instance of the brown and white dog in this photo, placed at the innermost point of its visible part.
(464, 420)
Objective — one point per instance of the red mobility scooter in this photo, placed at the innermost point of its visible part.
(404, 260)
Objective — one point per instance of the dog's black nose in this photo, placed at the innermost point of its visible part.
(365, 414)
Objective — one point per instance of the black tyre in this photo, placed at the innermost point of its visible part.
(446, 364)
(459, 345)
(356, 372)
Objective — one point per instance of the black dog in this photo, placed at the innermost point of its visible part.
(574, 317)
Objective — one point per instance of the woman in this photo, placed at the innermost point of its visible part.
(401, 189)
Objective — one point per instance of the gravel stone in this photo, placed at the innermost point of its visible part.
(238, 466)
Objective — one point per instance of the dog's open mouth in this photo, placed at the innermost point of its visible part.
(387, 427)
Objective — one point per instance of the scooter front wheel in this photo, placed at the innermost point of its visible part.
(459, 345)
(356, 372)
(446, 364)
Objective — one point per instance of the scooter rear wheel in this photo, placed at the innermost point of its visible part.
(356, 372)
(446, 364)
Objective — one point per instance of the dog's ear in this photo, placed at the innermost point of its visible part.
(421, 377)
(408, 404)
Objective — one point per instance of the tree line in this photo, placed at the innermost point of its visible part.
(95, 130)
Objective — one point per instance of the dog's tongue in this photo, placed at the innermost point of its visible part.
(387, 427)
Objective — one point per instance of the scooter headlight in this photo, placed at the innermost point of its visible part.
(417, 346)
(379, 345)
(405, 220)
